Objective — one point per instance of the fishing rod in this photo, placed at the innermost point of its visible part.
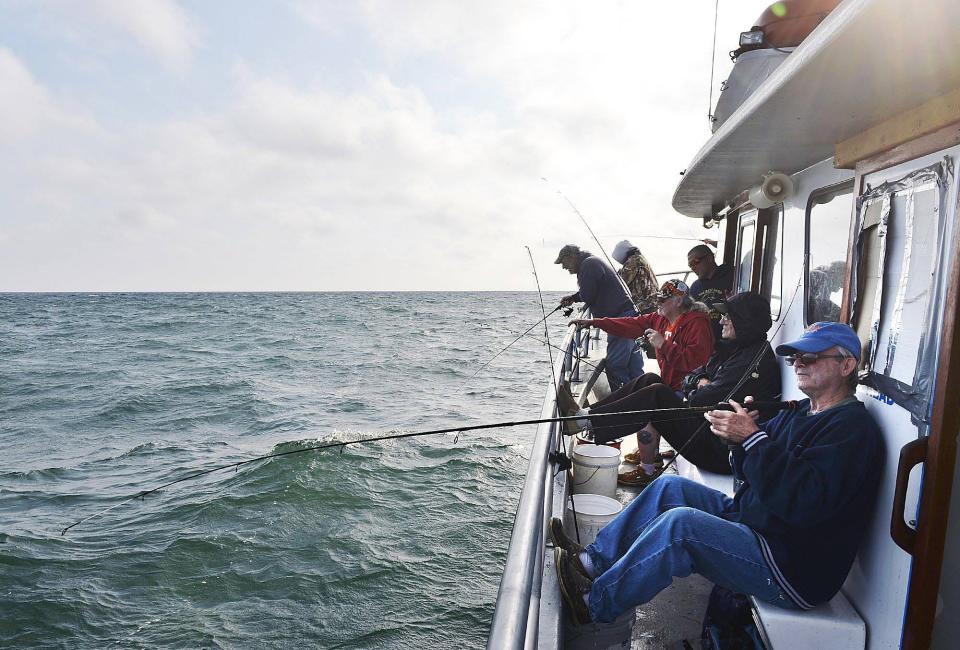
(750, 369)
(398, 436)
(558, 348)
(665, 237)
(602, 249)
(509, 345)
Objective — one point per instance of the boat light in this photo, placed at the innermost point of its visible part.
(753, 38)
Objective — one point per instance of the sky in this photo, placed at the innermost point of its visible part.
(163, 145)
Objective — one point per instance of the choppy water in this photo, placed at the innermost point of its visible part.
(396, 544)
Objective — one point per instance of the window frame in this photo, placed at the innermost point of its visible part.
(747, 217)
(771, 216)
(811, 202)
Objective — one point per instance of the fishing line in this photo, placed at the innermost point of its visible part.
(459, 387)
(553, 373)
(713, 58)
(399, 436)
(558, 348)
(509, 345)
(543, 310)
(602, 249)
(750, 369)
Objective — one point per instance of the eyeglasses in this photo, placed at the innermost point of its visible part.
(809, 358)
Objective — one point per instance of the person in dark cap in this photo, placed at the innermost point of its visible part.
(728, 373)
(714, 282)
(809, 481)
(602, 292)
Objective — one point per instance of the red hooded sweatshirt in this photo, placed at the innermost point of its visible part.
(688, 345)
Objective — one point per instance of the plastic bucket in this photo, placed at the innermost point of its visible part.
(595, 470)
(593, 513)
(586, 438)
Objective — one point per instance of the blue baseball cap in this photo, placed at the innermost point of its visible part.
(821, 336)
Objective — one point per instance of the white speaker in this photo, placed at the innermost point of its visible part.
(774, 187)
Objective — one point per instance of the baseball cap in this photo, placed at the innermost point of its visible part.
(673, 288)
(821, 336)
(569, 249)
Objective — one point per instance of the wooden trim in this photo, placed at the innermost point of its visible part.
(937, 476)
(944, 138)
(910, 125)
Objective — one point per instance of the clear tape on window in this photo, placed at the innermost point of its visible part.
(914, 397)
(882, 225)
(893, 337)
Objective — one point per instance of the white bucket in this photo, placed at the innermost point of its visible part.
(595, 470)
(593, 513)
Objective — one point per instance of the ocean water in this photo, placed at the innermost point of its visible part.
(395, 544)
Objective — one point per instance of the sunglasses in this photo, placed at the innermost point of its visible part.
(696, 260)
(809, 358)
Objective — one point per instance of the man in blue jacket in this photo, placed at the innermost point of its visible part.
(602, 292)
(790, 534)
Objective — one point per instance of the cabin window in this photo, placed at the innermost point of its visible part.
(771, 270)
(828, 226)
(896, 288)
(745, 242)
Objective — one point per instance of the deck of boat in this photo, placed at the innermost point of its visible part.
(674, 618)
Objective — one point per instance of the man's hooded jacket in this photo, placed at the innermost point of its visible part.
(727, 366)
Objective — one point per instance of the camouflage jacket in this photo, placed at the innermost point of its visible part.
(638, 275)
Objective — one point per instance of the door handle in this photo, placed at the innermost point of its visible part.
(911, 455)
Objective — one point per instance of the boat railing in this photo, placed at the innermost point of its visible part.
(516, 615)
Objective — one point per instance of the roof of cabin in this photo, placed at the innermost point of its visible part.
(867, 62)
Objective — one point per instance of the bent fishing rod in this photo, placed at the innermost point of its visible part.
(790, 405)
(602, 250)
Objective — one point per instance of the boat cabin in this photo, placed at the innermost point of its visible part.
(831, 179)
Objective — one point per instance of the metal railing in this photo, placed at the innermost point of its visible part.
(517, 611)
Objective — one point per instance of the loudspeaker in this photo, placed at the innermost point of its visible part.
(774, 187)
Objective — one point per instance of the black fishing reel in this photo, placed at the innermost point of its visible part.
(567, 311)
(561, 460)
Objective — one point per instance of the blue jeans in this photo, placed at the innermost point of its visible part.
(672, 530)
(624, 359)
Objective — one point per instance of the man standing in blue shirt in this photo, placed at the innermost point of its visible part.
(790, 534)
(602, 292)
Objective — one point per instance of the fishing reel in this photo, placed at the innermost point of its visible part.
(567, 311)
(561, 460)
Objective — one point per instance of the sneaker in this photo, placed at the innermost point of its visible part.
(560, 539)
(573, 585)
(566, 401)
(638, 478)
(633, 458)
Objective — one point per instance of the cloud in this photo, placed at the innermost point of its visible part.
(161, 27)
(379, 183)
(27, 105)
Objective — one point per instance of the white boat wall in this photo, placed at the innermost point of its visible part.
(863, 118)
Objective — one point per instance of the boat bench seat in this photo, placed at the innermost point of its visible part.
(720, 482)
(835, 624)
